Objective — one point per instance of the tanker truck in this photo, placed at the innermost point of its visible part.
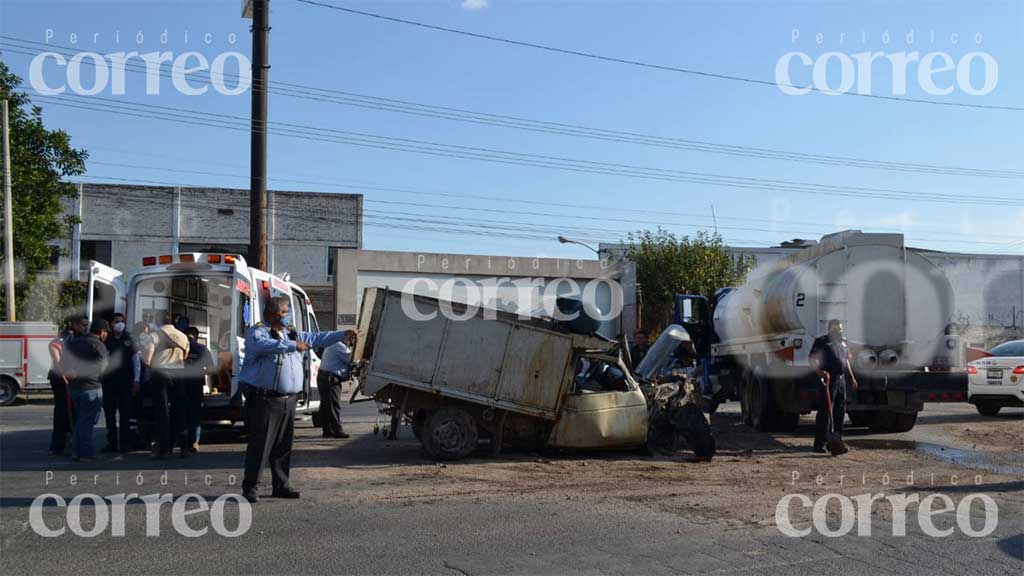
(753, 341)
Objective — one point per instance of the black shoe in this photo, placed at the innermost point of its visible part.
(285, 493)
(819, 450)
(250, 496)
(339, 434)
(109, 448)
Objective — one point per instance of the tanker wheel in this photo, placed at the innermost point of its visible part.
(902, 422)
(762, 409)
(745, 399)
(450, 433)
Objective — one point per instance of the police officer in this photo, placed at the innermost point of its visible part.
(830, 358)
(272, 376)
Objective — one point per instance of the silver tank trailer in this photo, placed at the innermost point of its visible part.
(894, 302)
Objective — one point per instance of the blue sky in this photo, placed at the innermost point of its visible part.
(328, 49)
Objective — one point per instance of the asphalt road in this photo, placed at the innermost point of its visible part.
(333, 529)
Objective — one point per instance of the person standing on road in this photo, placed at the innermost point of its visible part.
(198, 365)
(830, 358)
(170, 347)
(143, 340)
(85, 365)
(63, 410)
(272, 377)
(335, 369)
(119, 383)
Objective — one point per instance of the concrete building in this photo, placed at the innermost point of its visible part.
(506, 282)
(122, 223)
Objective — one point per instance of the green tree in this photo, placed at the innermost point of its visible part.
(667, 264)
(41, 159)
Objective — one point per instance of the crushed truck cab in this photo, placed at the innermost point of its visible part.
(460, 376)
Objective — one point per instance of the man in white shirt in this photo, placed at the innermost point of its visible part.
(335, 368)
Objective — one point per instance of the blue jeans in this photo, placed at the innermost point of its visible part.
(88, 404)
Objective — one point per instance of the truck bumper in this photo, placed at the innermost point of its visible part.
(896, 391)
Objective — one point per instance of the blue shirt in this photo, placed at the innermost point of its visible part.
(337, 360)
(264, 354)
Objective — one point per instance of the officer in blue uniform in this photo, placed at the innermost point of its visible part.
(272, 377)
(830, 358)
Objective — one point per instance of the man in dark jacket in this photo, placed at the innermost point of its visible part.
(119, 383)
(63, 411)
(830, 358)
(86, 362)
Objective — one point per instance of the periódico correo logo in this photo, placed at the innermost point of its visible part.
(230, 73)
(109, 514)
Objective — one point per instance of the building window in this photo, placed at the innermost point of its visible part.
(98, 250)
(331, 255)
(241, 249)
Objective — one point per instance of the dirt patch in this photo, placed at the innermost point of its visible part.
(1001, 434)
(742, 485)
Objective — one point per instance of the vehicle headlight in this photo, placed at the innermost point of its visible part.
(888, 357)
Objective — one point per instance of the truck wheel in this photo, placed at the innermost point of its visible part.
(902, 422)
(745, 399)
(761, 412)
(8, 391)
(450, 434)
(988, 409)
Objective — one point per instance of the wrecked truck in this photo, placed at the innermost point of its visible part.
(459, 375)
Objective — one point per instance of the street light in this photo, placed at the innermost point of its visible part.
(564, 240)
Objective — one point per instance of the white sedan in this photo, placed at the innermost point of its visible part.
(997, 380)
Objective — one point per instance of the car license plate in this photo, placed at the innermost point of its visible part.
(995, 375)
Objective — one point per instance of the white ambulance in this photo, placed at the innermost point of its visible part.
(220, 296)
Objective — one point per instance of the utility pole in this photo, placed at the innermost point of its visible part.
(258, 156)
(8, 218)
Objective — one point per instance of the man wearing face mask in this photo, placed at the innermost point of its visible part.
(272, 376)
(119, 384)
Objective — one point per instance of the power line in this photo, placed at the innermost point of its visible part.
(519, 225)
(376, 187)
(557, 128)
(662, 67)
(517, 158)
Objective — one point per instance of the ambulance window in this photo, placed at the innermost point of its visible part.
(299, 313)
(244, 314)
